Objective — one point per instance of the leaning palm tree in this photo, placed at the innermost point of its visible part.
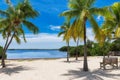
(81, 11)
(12, 23)
(65, 28)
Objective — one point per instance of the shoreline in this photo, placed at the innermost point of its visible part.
(35, 59)
(52, 58)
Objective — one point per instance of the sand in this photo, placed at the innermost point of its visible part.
(57, 69)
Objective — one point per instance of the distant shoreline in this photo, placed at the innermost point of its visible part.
(33, 49)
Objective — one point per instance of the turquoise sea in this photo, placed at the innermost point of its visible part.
(28, 54)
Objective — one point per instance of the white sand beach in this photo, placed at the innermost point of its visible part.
(57, 69)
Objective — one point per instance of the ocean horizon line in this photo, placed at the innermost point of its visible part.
(33, 49)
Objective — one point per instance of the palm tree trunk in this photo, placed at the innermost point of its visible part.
(3, 53)
(68, 54)
(77, 49)
(5, 49)
(6, 41)
(3, 60)
(9, 42)
(85, 65)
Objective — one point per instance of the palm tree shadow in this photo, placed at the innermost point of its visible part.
(12, 70)
(73, 61)
(91, 75)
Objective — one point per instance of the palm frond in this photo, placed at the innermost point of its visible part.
(61, 33)
(28, 11)
(74, 4)
(19, 31)
(117, 32)
(101, 11)
(94, 24)
(116, 10)
(16, 37)
(31, 27)
(89, 3)
(70, 13)
(108, 24)
(3, 13)
(99, 34)
(23, 34)
(77, 29)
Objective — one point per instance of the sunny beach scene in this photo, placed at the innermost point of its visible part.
(59, 39)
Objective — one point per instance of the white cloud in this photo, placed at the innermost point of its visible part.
(90, 34)
(40, 41)
(99, 18)
(44, 41)
(54, 28)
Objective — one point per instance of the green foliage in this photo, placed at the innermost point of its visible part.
(1, 51)
(72, 51)
(93, 49)
(115, 46)
(64, 48)
(15, 18)
(98, 50)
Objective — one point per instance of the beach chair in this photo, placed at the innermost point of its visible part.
(113, 61)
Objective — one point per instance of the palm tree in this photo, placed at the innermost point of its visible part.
(111, 24)
(77, 43)
(110, 27)
(77, 34)
(65, 29)
(81, 11)
(14, 19)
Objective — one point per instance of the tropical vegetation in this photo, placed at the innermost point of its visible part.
(94, 49)
(81, 11)
(64, 32)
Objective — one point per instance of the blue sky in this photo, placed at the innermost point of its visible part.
(49, 23)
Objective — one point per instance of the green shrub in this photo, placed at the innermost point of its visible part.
(115, 46)
(72, 51)
(64, 48)
(94, 49)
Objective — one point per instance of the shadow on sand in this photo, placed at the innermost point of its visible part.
(14, 69)
(73, 61)
(97, 74)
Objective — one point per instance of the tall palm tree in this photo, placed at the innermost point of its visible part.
(65, 29)
(14, 19)
(81, 11)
